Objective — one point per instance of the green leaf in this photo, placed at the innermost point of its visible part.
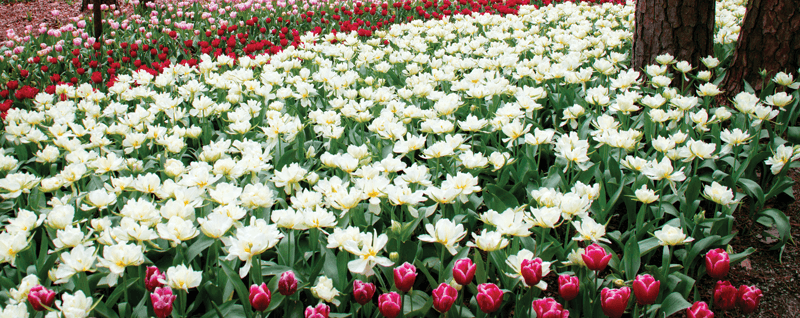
(239, 286)
(112, 299)
(200, 245)
(632, 258)
(753, 189)
(498, 199)
(674, 303)
(104, 311)
(780, 221)
(419, 301)
(700, 246)
(648, 245)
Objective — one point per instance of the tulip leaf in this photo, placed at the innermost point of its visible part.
(239, 286)
(101, 308)
(417, 300)
(631, 261)
(480, 269)
(140, 311)
(199, 245)
(674, 303)
(700, 246)
(498, 199)
(770, 217)
(753, 190)
(112, 299)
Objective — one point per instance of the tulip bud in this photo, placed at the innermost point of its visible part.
(40, 297)
(321, 311)
(404, 276)
(363, 292)
(699, 310)
(531, 271)
(717, 263)
(390, 304)
(568, 287)
(595, 257)
(747, 298)
(162, 299)
(287, 284)
(645, 287)
(394, 256)
(725, 295)
(260, 297)
(489, 297)
(153, 279)
(464, 271)
(614, 301)
(443, 297)
(549, 308)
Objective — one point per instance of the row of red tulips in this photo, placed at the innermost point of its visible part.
(489, 298)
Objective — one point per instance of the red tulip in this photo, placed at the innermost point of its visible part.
(40, 297)
(717, 263)
(489, 297)
(162, 300)
(443, 297)
(287, 284)
(464, 271)
(699, 310)
(390, 304)
(645, 287)
(725, 295)
(321, 311)
(12, 85)
(568, 287)
(531, 271)
(363, 292)
(614, 301)
(404, 276)
(153, 279)
(260, 297)
(549, 308)
(595, 257)
(747, 298)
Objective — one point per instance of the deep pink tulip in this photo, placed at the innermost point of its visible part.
(287, 284)
(531, 271)
(489, 297)
(153, 278)
(549, 308)
(363, 292)
(40, 297)
(725, 295)
(443, 297)
(699, 310)
(390, 304)
(162, 299)
(614, 301)
(645, 287)
(404, 276)
(595, 257)
(748, 298)
(568, 287)
(260, 297)
(464, 271)
(321, 311)
(717, 263)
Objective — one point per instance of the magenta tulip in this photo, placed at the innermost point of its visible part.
(404, 276)
(390, 304)
(531, 271)
(443, 297)
(489, 297)
(40, 297)
(153, 278)
(595, 257)
(464, 271)
(645, 287)
(363, 292)
(568, 287)
(321, 311)
(699, 310)
(549, 308)
(287, 284)
(748, 298)
(162, 299)
(260, 297)
(717, 263)
(725, 295)
(614, 301)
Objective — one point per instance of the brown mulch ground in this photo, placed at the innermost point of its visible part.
(15, 16)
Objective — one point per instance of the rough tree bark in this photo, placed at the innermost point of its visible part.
(683, 28)
(98, 20)
(769, 40)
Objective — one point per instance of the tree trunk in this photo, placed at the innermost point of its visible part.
(769, 40)
(98, 20)
(682, 28)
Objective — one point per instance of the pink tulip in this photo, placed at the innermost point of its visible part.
(363, 292)
(390, 304)
(595, 257)
(549, 308)
(321, 311)
(717, 263)
(260, 297)
(748, 298)
(614, 301)
(464, 271)
(287, 284)
(645, 287)
(531, 271)
(568, 287)
(725, 295)
(40, 297)
(153, 278)
(162, 299)
(443, 297)
(699, 310)
(489, 297)
(404, 276)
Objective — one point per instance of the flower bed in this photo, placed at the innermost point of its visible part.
(474, 165)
